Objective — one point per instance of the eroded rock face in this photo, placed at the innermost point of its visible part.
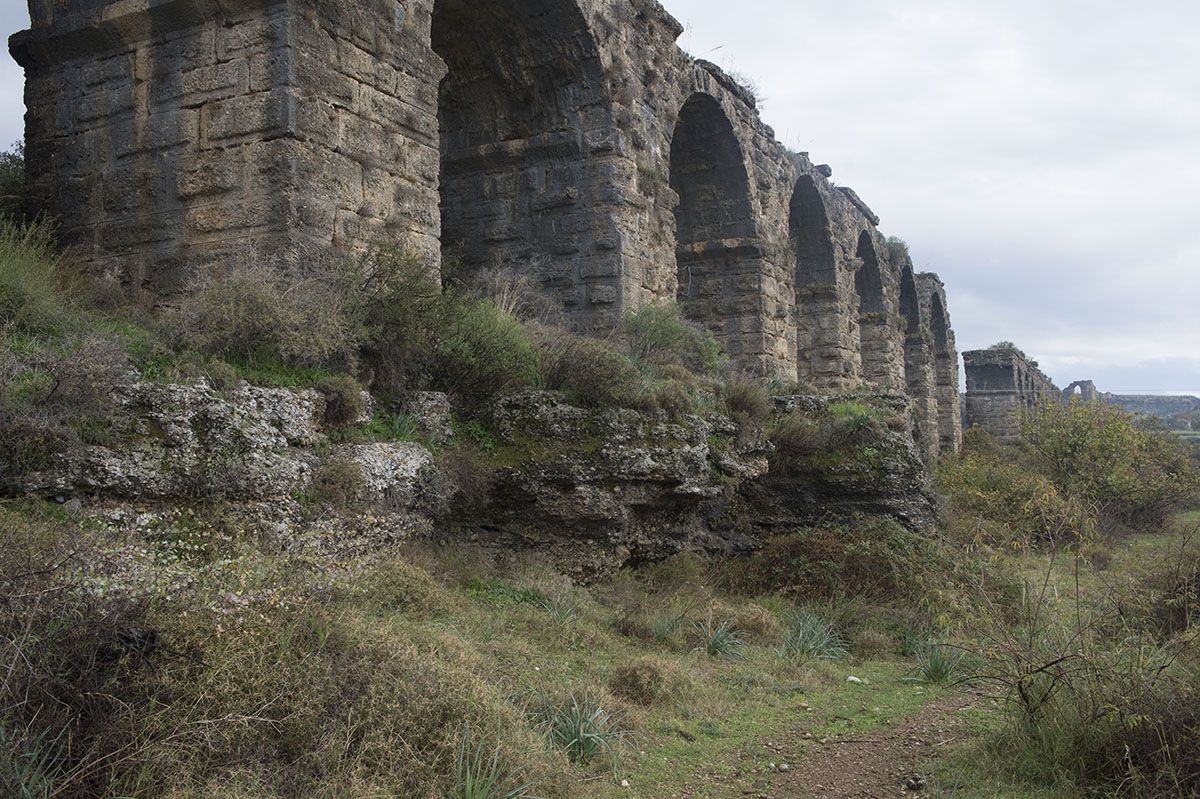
(190, 441)
(592, 490)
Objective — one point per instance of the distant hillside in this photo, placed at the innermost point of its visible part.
(1162, 406)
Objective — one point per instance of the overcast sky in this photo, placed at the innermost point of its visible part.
(1041, 157)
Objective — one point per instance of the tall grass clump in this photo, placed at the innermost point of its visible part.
(478, 776)
(718, 639)
(579, 725)
(810, 635)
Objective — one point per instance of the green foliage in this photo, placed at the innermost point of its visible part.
(578, 724)
(999, 502)
(938, 662)
(562, 609)
(592, 373)
(869, 556)
(1098, 453)
(897, 249)
(718, 639)
(32, 295)
(478, 777)
(495, 591)
(12, 183)
(658, 334)
(421, 336)
(810, 635)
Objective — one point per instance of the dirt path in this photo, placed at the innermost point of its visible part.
(874, 765)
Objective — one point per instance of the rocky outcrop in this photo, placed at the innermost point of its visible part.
(599, 490)
(188, 441)
(592, 490)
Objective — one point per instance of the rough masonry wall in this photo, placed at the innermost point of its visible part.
(1000, 385)
(570, 139)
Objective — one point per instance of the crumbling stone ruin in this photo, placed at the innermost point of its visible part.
(571, 139)
(1085, 390)
(1001, 383)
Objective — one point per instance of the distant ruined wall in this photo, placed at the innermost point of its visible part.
(570, 139)
(1000, 385)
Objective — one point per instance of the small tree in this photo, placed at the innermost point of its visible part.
(12, 183)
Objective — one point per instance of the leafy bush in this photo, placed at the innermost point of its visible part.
(866, 556)
(1098, 453)
(658, 334)
(12, 183)
(998, 502)
(421, 336)
(591, 372)
(258, 314)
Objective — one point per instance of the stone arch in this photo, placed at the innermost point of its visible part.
(716, 254)
(868, 280)
(808, 233)
(945, 360)
(524, 86)
(877, 338)
(821, 352)
(919, 368)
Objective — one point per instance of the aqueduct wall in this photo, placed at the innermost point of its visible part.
(573, 139)
(1001, 384)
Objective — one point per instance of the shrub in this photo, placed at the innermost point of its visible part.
(1098, 453)
(421, 336)
(32, 296)
(650, 680)
(746, 400)
(865, 556)
(258, 314)
(344, 401)
(469, 473)
(658, 334)
(592, 373)
(12, 183)
(1000, 503)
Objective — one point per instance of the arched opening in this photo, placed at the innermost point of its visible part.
(716, 256)
(945, 361)
(919, 377)
(878, 340)
(808, 229)
(523, 88)
(821, 354)
(868, 282)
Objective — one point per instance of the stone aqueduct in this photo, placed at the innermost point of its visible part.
(176, 139)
